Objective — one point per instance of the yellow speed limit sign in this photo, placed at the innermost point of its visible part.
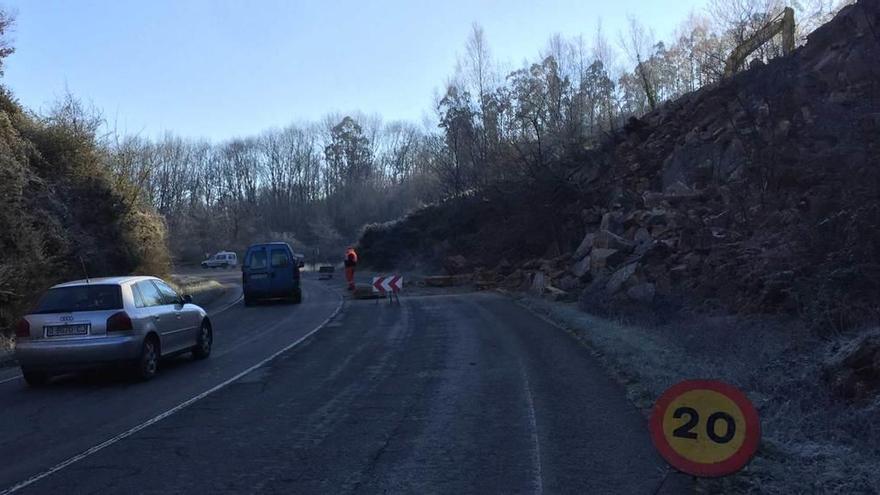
(705, 428)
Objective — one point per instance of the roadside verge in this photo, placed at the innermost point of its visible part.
(812, 442)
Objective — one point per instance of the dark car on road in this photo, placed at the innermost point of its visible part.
(270, 271)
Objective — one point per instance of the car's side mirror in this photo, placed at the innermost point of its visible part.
(187, 299)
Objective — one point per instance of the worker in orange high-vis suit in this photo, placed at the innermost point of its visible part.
(351, 261)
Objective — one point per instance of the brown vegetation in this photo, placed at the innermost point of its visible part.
(61, 214)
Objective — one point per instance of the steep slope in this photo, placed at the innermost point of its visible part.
(61, 212)
(759, 194)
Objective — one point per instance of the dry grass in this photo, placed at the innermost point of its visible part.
(203, 291)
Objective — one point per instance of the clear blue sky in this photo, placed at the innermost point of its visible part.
(224, 68)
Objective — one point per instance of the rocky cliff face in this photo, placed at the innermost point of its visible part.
(760, 194)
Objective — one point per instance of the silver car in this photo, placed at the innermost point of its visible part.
(133, 321)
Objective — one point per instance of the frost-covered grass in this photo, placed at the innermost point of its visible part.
(812, 442)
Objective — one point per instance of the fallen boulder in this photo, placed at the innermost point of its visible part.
(602, 259)
(612, 222)
(854, 370)
(568, 282)
(582, 267)
(514, 280)
(608, 240)
(539, 282)
(556, 294)
(642, 236)
(455, 265)
(642, 293)
(620, 277)
(585, 246)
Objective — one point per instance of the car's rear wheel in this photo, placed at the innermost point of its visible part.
(148, 363)
(248, 300)
(35, 378)
(297, 296)
(204, 342)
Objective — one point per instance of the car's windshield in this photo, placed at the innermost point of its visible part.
(80, 298)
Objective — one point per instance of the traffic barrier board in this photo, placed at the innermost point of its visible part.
(391, 283)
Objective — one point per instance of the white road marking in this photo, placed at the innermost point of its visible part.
(16, 377)
(160, 417)
(224, 308)
(533, 425)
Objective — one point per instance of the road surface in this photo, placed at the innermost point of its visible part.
(463, 393)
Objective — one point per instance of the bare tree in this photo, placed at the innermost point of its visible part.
(7, 21)
(639, 44)
(604, 65)
(478, 63)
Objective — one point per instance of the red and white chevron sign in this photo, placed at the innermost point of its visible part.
(390, 283)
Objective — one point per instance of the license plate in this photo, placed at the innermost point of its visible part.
(259, 275)
(66, 330)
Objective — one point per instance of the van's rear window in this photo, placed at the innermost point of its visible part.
(257, 259)
(81, 298)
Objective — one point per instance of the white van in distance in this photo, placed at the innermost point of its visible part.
(223, 259)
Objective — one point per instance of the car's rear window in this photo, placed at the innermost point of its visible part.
(80, 298)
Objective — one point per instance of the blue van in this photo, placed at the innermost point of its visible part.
(270, 271)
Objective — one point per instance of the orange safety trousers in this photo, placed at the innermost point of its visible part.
(349, 275)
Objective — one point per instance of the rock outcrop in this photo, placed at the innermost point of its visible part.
(758, 194)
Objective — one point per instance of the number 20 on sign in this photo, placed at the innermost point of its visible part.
(705, 428)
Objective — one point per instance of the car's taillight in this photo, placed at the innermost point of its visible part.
(22, 329)
(119, 322)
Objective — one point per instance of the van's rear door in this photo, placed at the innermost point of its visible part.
(256, 270)
(282, 271)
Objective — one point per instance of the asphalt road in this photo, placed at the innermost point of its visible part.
(463, 393)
